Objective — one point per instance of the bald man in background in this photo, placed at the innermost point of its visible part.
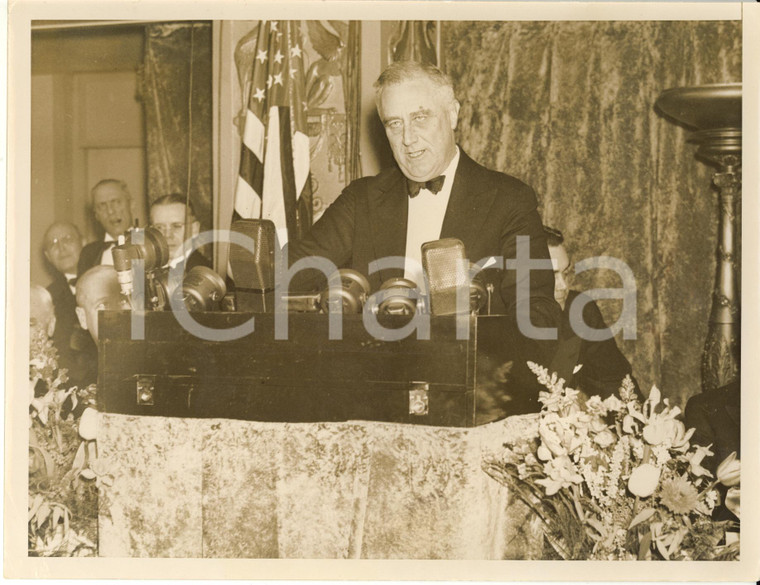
(97, 290)
(41, 310)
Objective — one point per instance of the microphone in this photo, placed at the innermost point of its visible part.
(480, 291)
(253, 270)
(445, 267)
(401, 297)
(202, 289)
(154, 251)
(351, 295)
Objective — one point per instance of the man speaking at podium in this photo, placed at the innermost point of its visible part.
(436, 191)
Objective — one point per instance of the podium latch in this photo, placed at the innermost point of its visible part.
(418, 398)
(145, 390)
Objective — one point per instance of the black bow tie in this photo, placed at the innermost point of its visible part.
(72, 281)
(433, 185)
(108, 244)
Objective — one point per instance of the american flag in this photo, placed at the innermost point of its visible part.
(273, 182)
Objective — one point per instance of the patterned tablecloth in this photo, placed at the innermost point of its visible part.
(237, 489)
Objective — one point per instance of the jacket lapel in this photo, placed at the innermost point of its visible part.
(469, 202)
(389, 213)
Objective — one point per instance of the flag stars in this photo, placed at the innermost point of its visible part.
(269, 81)
(273, 26)
(278, 78)
(293, 73)
(258, 94)
(295, 51)
(278, 57)
(261, 56)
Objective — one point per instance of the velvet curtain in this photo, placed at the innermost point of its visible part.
(175, 86)
(569, 108)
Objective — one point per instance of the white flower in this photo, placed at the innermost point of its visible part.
(732, 501)
(644, 480)
(695, 461)
(604, 439)
(729, 471)
(613, 403)
(88, 424)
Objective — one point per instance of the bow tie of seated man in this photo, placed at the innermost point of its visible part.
(433, 185)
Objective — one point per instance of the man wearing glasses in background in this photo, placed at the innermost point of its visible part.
(62, 246)
(168, 214)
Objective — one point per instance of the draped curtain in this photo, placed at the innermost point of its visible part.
(175, 87)
(569, 108)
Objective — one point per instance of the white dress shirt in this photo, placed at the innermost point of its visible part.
(69, 278)
(426, 213)
(107, 257)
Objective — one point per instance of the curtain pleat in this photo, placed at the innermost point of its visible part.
(569, 108)
(176, 93)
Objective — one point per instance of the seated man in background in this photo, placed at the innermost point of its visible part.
(41, 311)
(716, 416)
(174, 217)
(62, 245)
(112, 206)
(97, 290)
(594, 367)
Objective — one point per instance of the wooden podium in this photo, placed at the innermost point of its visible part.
(254, 448)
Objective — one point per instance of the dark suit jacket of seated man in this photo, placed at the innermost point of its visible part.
(602, 365)
(486, 210)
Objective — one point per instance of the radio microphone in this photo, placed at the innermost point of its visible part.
(445, 267)
(253, 270)
(400, 296)
(351, 295)
(202, 289)
(154, 251)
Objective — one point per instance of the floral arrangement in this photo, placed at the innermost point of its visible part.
(616, 479)
(64, 482)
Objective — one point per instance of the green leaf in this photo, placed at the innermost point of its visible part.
(42, 513)
(662, 548)
(79, 458)
(35, 505)
(644, 545)
(642, 516)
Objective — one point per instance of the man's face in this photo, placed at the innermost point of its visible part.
(41, 314)
(112, 209)
(62, 247)
(101, 296)
(170, 221)
(420, 127)
(561, 263)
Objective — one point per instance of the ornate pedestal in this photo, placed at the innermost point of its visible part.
(715, 112)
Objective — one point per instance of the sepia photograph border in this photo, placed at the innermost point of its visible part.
(18, 564)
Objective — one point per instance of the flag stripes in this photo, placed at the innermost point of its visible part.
(274, 178)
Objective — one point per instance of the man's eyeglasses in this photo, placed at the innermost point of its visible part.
(169, 228)
(62, 241)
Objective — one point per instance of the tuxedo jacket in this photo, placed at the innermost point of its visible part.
(603, 364)
(196, 258)
(487, 211)
(90, 255)
(65, 312)
(76, 350)
(716, 416)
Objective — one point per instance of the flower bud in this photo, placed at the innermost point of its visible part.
(729, 471)
(733, 501)
(644, 480)
(88, 424)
